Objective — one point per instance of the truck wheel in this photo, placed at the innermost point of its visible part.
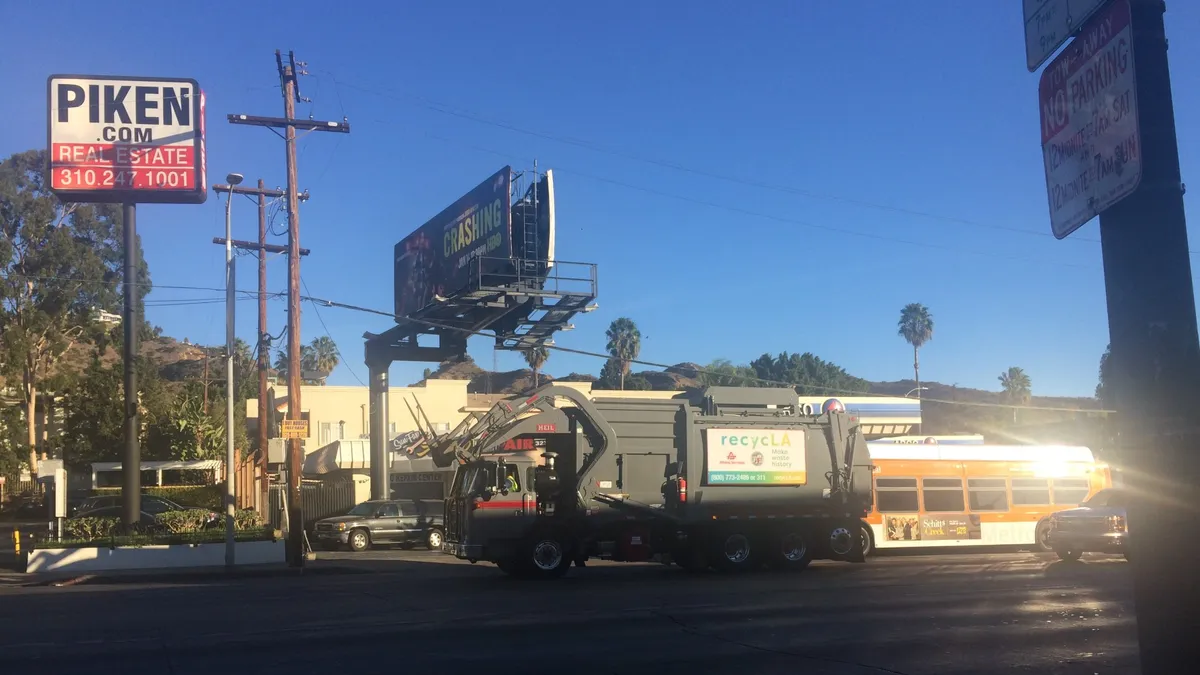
(359, 540)
(792, 551)
(433, 540)
(733, 552)
(546, 557)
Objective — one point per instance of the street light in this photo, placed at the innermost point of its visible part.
(230, 302)
(915, 389)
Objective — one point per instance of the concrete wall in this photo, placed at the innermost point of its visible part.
(152, 557)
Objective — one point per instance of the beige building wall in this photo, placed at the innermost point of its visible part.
(337, 413)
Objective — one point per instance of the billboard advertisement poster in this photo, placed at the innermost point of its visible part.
(132, 140)
(950, 527)
(755, 457)
(1091, 142)
(436, 258)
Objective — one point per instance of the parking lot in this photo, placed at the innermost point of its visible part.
(388, 610)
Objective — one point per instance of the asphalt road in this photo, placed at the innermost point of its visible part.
(419, 612)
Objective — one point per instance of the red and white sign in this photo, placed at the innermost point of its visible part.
(126, 139)
(1091, 145)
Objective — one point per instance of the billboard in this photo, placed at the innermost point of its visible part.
(132, 140)
(536, 208)
(436, 258)
(755, 457)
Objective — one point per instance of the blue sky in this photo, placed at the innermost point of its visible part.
(903, 147)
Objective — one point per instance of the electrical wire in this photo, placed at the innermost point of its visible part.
(336, 348)
(446, 109)
(702, 370)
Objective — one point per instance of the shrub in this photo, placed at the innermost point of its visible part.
(91, 529)
(180, 522)
(201, 496)
(247, 519)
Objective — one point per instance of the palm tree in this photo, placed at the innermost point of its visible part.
(322, 356)
(916, 327)
(624, 343)
(536, 358)
(1017, 387)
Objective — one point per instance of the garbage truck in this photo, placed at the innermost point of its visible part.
(727, 478)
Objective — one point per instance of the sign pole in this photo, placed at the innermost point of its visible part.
(131, 465)
(1156, 359)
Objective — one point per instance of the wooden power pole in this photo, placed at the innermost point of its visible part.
(289, 123)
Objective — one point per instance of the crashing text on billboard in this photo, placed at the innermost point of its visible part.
(755, 457)
(436, 258)
(1091, 145)
(126, 139)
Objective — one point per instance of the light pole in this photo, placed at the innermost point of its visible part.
(230, 301)
(910, 391)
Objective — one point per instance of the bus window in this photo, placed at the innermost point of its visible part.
(987, 494)
(895, 495)
(943, 495)
(1030, 492)
(1070, 491)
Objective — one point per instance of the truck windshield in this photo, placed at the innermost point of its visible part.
(473, 478)
(363, 509)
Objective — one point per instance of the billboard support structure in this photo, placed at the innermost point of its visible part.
(485, 263)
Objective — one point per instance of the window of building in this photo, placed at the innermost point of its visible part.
(942, 495)
(1030, 492)
(987, 494)
(1070, 491)
(895, 495)
(326, 433)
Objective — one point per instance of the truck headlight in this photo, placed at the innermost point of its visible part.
(1116, 523)
(341, 527)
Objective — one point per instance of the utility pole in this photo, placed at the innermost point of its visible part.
(261, 248)
(1155, 359)
(289, 123)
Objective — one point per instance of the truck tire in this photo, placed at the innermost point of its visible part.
(1041, 537)
(434, 539)
(1069, 554)
(791, 551)
(544, 556)
(868, 541)
(734, 551)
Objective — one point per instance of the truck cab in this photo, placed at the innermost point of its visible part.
(491, 500)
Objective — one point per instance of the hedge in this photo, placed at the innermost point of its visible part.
(202, 496)
(177, 527)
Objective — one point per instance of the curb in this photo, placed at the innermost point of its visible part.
(139, 577)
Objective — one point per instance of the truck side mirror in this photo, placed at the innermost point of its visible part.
(671, 469)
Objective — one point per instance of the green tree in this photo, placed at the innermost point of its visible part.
(808, 373)
(916, 327)
(624, 344)
(59, 263)
(536, 358)
(1017, 387)
(321, 357)
(1104, 390)
(724, 373)
(311, 363)
(610, 375)
(94, 420)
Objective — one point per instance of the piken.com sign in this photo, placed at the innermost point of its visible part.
(1091, 145)
(126, 139)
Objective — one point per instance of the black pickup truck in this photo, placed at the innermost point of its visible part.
(1097, 526)
(384, 521)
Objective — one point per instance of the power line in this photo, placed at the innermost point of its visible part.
(336, 348)
(780, 219)
(664, 366)
(150, 284)
(450, 110)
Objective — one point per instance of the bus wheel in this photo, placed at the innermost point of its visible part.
(1041, 537)
(792, 551)
(868, 542)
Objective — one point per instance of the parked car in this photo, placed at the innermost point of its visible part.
(384, 521)
(1096, 526)
(152, 504)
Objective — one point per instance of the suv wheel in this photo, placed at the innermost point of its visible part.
(359, 540)
(434, 539)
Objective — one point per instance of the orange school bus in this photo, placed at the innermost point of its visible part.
(976, 495)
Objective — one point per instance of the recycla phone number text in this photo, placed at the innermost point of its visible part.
(123, 179)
